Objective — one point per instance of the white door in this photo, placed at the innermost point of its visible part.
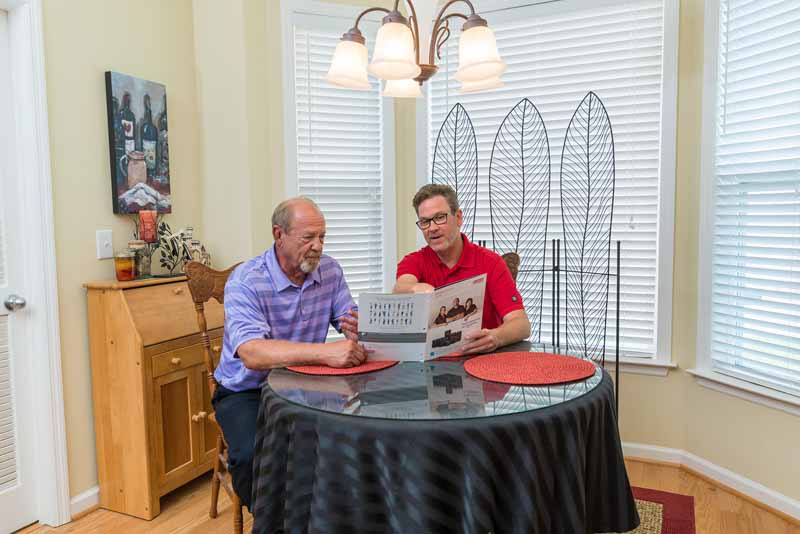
(17, 490)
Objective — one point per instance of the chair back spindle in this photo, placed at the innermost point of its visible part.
(206, 283)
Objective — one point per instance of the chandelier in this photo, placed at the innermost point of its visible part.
(396, 58)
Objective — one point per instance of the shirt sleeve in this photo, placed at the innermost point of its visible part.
(244, 318)
(500, 287)
(411, 264)
(342, 301)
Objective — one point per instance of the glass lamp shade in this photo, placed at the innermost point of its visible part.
(349, 66)
(483, 85)
(394, 58)
(478, 59)
(402, 89)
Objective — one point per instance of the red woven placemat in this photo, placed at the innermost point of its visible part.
(366, 367)
(529, 368)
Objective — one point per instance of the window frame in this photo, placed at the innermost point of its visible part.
(704, 370)
(501, 10)
(338, 17)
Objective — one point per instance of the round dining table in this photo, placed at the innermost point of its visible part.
(423, 447)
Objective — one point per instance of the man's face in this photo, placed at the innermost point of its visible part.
(455, 303)
(301, 246)
(440, 237)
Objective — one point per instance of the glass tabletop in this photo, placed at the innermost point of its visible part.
(429, 390)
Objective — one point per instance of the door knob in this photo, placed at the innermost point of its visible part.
(14, 303)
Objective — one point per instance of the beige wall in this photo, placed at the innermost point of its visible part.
(225, 176)
(235, 154)
(151, 39)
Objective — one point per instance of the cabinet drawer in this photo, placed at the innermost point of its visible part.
(166, 311)
(174, 360)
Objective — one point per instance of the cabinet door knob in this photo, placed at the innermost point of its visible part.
(175, 361)
(178, 290)
(216, 348)
(199, 416)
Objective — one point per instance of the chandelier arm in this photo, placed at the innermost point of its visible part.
(414, 26)
(451, 15)
(443, 25)
(442, 40)
(440, 18)
(370, 10)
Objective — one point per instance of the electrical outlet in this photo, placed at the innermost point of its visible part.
(105, 245)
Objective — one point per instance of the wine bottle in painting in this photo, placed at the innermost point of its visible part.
(149, 136)
(119, 139)
(128, 121)
(162, 172)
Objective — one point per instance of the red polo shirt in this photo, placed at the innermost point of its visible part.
(502, 296)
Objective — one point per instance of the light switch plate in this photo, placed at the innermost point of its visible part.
(105, 245)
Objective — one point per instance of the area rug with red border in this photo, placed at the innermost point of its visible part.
(662, 512)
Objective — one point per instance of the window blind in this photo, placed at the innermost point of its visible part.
(556, 54)
(340, 158)
(755, 293)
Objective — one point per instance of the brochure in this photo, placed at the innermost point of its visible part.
(420, 326)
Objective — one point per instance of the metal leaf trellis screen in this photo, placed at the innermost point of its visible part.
(519, 201)
(587, 206)
(519, 209)
(455, 162)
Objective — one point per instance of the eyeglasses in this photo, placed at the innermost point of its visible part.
(439, 219)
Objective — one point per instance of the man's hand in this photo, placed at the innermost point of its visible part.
(483, 340)
(344, 353)
(349, 324)
(422, 287)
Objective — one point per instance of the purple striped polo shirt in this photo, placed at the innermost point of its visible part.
(262, 303)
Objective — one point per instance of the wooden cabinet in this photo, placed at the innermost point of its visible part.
(150, 392)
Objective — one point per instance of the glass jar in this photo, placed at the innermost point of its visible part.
(142, 251)
(125, 265)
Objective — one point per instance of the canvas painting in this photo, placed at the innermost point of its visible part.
(138, 144)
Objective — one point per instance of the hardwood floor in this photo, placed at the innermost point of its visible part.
(186, 509)
(183, 511)
(716, 510)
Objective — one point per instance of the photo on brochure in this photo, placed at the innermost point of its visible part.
(421, 326)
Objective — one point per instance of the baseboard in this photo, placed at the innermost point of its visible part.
(749, 489)
(84, 503)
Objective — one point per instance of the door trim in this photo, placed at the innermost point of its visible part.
(41, 284)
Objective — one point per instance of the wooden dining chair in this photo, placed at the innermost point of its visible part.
(512, 260)
(204, 284)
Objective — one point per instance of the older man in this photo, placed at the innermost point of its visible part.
(278, 307)
(450, 257)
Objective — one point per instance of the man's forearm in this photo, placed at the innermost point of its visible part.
(404, 285)
(263, 354)
(512, 330)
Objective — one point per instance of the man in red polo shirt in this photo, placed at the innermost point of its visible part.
(450, 257)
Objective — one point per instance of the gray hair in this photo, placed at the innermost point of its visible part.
(436, 190)
(284, 212)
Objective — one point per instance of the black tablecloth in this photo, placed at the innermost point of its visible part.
(556, 470)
